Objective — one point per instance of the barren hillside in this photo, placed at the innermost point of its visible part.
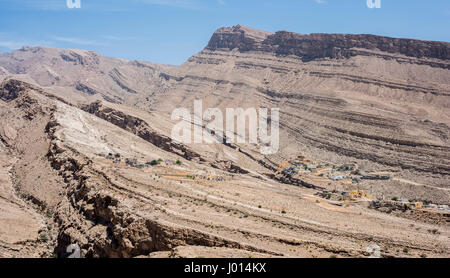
(88, 159)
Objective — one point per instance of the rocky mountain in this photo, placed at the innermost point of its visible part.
(343, 98)
(83, 74)
(317, 46)
(87, 156)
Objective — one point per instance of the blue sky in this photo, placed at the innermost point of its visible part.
(170, 31)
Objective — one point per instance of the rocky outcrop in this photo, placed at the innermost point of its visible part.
(111, 211)
(88, 58)
(229, 166)
(405, 210)
(117, 77)
(94, 219)
(12, 89)
(85, 89)
(66, 70)
(241, 37)
(315, 46)
(140, 128)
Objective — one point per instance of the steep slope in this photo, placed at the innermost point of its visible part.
(85, 177)
(380, 102)
(84, 74)
(317, 46)
(87, 155)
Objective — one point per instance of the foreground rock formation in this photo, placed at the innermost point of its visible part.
(87, 159)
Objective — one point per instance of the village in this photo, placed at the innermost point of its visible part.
(326, 172)
(341, 183)
(338, 184)
(167, 168)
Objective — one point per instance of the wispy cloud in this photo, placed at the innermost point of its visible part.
(117, 38)
(110, 5)
(12, 44)
(78, 41)
(182, 4)
(37, 5)
(320, 1)
(12, 41)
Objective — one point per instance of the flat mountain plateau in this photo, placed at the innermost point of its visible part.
(87, 156)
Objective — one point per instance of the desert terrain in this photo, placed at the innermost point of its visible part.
(87, 156)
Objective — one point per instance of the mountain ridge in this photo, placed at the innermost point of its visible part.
(85, 146)
(322, 45)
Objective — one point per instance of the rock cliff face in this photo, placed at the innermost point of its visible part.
(315, 46)
(241, 37)
(140, 128)
(72, 121)
(83, 74)
(380, 101)
(12, 89)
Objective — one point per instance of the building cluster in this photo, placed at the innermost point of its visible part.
(347, 173)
